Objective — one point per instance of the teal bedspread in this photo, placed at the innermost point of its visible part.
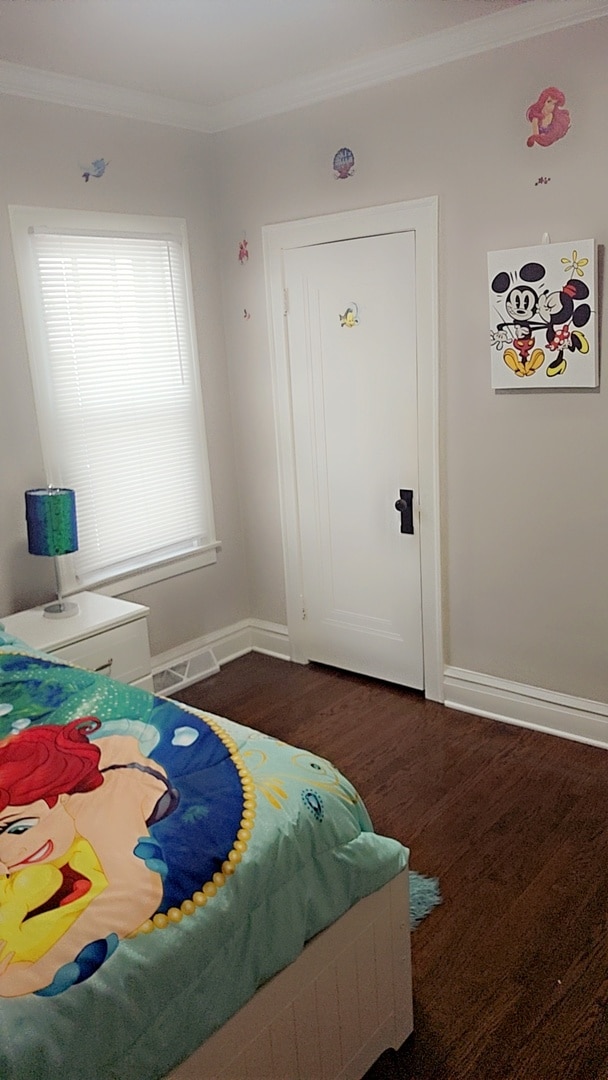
(157, 865)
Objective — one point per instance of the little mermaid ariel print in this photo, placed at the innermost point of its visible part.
(549, 118)
(120, 814)
(73, 815)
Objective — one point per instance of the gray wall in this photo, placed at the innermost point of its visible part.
(524, 514)
(152, 170)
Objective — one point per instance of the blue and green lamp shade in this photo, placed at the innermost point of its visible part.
(50, 514)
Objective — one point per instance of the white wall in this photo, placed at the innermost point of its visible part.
(525, 519)
(152, 170)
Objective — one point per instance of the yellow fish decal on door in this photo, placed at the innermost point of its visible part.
(350, 316)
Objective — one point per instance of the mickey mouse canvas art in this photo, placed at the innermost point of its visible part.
(543, 327)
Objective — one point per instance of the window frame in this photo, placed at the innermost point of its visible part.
(23, 219)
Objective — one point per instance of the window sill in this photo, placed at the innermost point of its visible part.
(137, 579)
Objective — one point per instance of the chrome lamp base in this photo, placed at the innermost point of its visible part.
(61, 609)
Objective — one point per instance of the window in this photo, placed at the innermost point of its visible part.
(108, 315)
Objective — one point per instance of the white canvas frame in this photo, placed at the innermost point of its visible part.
(535, 295)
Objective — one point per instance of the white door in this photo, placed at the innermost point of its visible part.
(352, 355)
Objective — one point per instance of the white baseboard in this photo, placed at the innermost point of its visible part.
(248, 635)
(271, 639)
(528, 706)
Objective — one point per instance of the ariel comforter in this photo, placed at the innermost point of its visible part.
(156, 866)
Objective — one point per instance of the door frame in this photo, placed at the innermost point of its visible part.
(421, 217)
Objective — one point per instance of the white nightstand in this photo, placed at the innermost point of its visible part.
(107, 635)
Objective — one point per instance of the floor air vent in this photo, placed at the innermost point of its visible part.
(167, 680)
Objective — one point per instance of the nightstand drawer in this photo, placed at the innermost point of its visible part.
(122, 652)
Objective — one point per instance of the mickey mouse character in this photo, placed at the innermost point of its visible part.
(557, 313)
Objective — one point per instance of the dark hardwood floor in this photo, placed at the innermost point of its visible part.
(511, 971)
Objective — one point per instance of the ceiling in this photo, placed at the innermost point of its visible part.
(212, 55)
(208, 51)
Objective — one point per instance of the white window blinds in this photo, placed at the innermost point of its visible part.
(119, 398)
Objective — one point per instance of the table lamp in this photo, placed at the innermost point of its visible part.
(50, 514)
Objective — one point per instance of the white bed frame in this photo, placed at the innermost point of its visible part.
(330, 1014)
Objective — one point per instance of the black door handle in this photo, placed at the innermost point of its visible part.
(405, 506)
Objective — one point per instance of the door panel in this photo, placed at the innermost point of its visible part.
(352, 353)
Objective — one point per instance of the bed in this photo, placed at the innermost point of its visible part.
(184, 897)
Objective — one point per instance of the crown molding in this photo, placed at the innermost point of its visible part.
(468, 39)
(21, 81)
(526, 20)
